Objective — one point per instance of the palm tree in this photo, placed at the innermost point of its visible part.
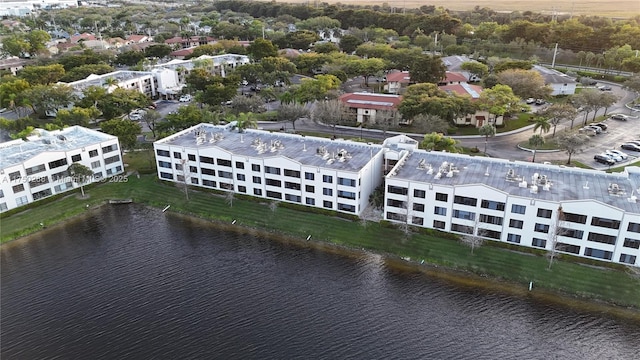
(536, 141)
(111, 83)
(245, 121)
(541, 123)
(487, 130)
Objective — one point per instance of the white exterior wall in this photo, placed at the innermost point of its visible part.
(563, 89)
(13, 199)
(589, 208)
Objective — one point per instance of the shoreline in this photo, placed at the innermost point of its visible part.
(462, 273)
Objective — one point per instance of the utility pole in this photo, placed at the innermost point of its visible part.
(555, 52)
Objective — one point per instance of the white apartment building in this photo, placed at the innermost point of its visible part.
(322, 173)
(27, 7)
(142, 81)
(37, 168)
(519, 203)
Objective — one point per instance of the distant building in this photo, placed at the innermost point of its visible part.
(38, 168)
(27, 7)
(462, 88)
(397, 82)
(367, 105)
(142, 81)
(560, 83)
(189, 42)
(454, 64)
(13, 64)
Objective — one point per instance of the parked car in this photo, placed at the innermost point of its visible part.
(137, 115)
(622, 154)
(629, 146)
(614, 157)
(636, 106)
(530, 101)
(597, 129)
(604, 159)
(185, 98)
(601, 126)
(540, 101)
(621, 117)
(634, 142)
(605, 88)
(588, 131)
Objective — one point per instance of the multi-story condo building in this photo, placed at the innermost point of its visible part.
(37, 168)
(335, 175)
(581, 212)
(142, 81)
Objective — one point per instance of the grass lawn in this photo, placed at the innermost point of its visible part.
(440, 249)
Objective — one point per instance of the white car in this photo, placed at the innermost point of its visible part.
(185, 98)
(137, 115)
(614, 157)
(622, 154)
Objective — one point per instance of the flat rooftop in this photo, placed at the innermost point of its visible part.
(338, 155)
(17, 151)
(554, 183)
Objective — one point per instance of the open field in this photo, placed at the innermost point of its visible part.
(607, 8)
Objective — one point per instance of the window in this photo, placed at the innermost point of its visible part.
(15, 175)
(39, 181)
(206, 171)
(602, 238)
(442, 197)
(179, 167)
(462, 228)
(463, 200)
(60, 175)
(310, 201)
(493, 205)
(111, 160)
(348, 208)
(191, 157)
(223, 162)
(294, 198)
(575, 218)
(96, 164)
(239, 165)
(18, 188)
(206, 160)
(257, 180)
(572, 233)
(163, 164)
(225, 174)
(255, 167)
(272, 170)
(327, 179)
(164, 153)
(208, 183)
(440, 211)
(346, 182)
(599, 254)
(226, 186)
(395, 203)
(291, 185)
(3, 207)
(114, 147)
(93, 153)
(36, 169)
(466, 215)
(76, 158)
(516, 223)
(292, 173)
(1, 194)
(514, 238)
(57, 163)
(177, 155)
(22, 200)
(242, 189)
(574, 249)
(541, 243)
(545, 213)
(346, 195)
(272, 182)
(418, 207)
(490, 233)
(606, 223)
(194, 181)
(490, 219)
(624, 258)
(179, 177)
(543, 228)
(274, 195)
(419, 193)
(417, 220)
(165, 175)
(397, 190)
(97, 175)
(327, 192)
(309, 188)
(240, 177)
(309, 176)
(438, 224)
(631, 243)
(193, 169)
(327, 204)
(633, 227)
(518, 209)
(257, 192)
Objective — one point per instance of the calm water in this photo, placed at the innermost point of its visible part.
(133, 283)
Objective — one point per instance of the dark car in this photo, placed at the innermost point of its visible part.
(605, 88)
(601, 126)
(604, 160)
(632, 147)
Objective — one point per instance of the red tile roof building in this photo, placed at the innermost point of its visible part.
(366, 105)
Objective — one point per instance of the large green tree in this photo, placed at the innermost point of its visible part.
(427, 69)
(44, 98)
(127, 131)
(42, 75)
(261, 48)
(499, 100)
(525, 83)
(427, 98)
(439, 142)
